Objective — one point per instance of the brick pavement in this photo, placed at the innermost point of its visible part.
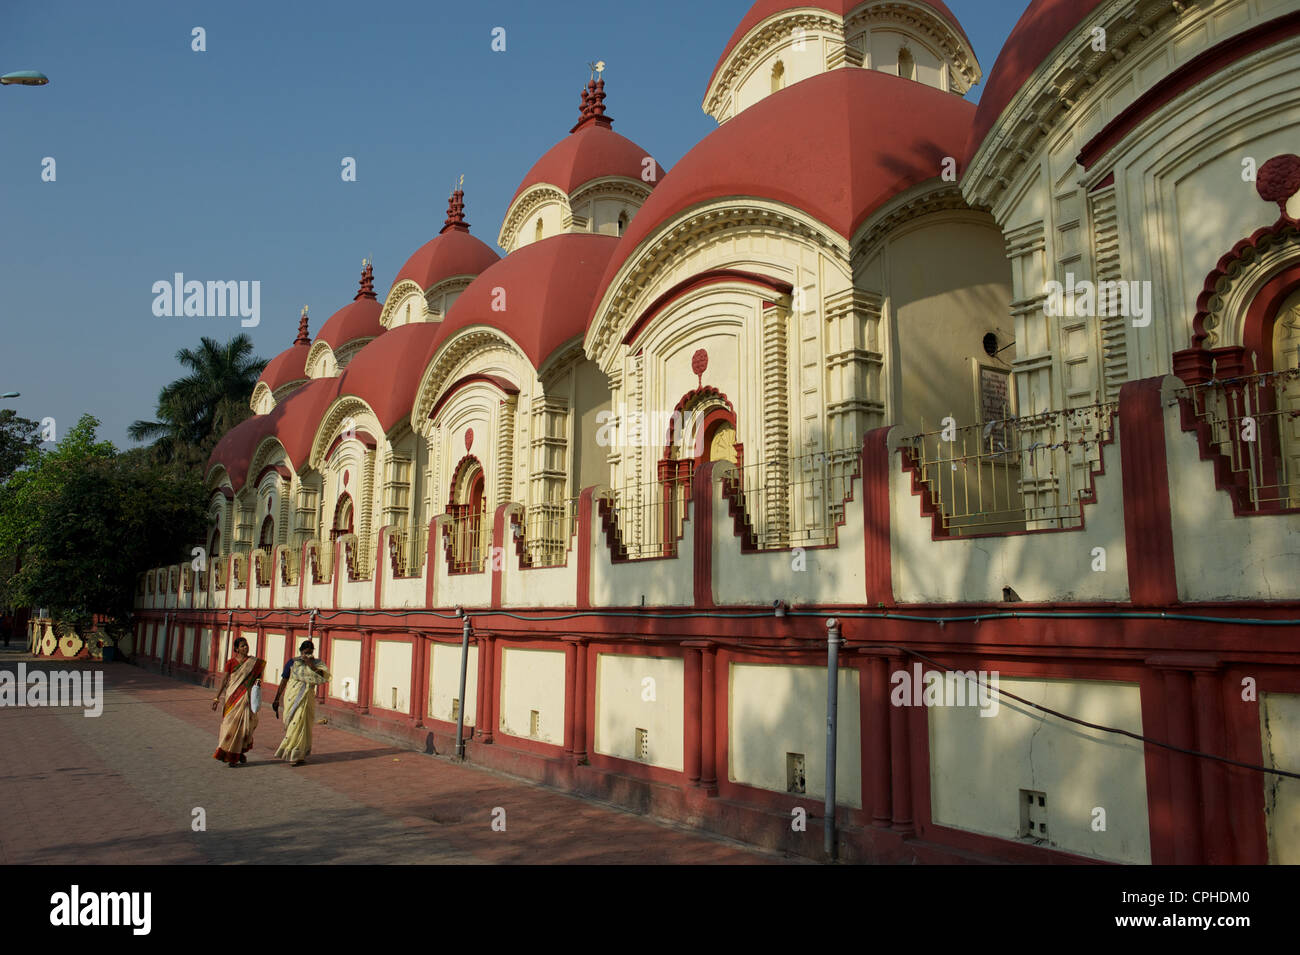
(121, 788)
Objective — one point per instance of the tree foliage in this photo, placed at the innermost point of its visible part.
(82, 519)
(18, 436)
(194, 411)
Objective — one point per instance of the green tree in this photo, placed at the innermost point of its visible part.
(85, 519)
(195, 411)
(18, 437)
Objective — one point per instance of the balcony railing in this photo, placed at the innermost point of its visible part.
(466, 540)
(407, 550)
(645, 521)
(1252, 425)
(546, 534)
(290, 565)
(320, 554)
(793, 502)
(1012, 475)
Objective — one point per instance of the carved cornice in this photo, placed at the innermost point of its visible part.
(395, 296)
(522, 208)
(319, 349)
(346, 406)
(759, 41)
(1035, 111)
(685, 234)
(474, 343)
(932, 27)
(946, 197)
(611, 186)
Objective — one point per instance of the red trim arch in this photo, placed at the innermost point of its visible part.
(462, 466)
(1283, 230)
(365, 437)
(712, 277)
(279, 469)
(504, 385)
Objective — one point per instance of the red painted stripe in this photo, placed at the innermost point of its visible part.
(1148, 521)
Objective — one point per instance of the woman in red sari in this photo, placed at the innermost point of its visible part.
(238, 720)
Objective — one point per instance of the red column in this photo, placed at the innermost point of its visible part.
(570, 693)
(365, 677)
(692, 666)
(899, 764)
(1182, 769)
(418, 697)
(580, 702)
(875, 735)
(322, 640)
(487, 700)
(708, 720)
(1210, 738)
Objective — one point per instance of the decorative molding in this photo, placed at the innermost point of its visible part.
(532, 199)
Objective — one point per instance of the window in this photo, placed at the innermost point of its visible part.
(778, 77)
(537, 233)
(622, 222)
(906, 64)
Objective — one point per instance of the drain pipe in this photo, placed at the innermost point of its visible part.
(464, 665)
(833, 642)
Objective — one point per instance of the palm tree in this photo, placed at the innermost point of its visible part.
(194, 411)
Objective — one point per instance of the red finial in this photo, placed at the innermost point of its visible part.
(593, 101)
(456, 210)
(367, 289)
(303, 338)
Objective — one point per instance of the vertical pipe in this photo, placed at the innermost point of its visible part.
(464, 662)
(833, 642)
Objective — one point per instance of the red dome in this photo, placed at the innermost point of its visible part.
(550, 288)
(763, 9)
(293, 422)
(838, 146)
(445, 256)
(1040, 30)
(360, 319)
(592, 152)
(386, 373)
(288, 366)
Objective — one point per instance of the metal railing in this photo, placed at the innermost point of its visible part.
(320, 554)
(466, 540)
(1014, 474)
(645, 521)
(262, 567)
(356, 555)
(1253, 422)
(794, 502)
(407, 550)
(219, 573)
(290, 565)
(546, 532)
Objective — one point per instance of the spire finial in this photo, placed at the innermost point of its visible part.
(456, 209)
(303, 338)
(593, 100)
(367, 289)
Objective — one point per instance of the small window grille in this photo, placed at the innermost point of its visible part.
(794, 776)
(534, 724)
(1033, 814)
(455, 709)
(642, 745)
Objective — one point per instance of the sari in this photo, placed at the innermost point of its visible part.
(237, 718)
(300, 710)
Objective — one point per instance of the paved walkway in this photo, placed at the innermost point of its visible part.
(122, 789)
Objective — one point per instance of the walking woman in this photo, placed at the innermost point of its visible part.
(302, 675)
(238, 719)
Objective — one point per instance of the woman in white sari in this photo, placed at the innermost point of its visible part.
(304, 673)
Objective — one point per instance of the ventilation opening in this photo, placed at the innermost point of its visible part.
(455, 709)
(794, 778)
(991, 345)
(534, 724)
(394, 697)
(642, 745)
(1033, 814)
(778, 77)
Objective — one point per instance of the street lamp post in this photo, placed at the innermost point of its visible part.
(24, 78)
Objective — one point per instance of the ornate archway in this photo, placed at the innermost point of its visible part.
(344, 513)
(467, 506)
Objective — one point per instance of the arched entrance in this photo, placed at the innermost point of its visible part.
(701, 430)
(1286, 393)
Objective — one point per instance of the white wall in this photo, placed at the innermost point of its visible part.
(274, 656)
(775, 710)
(1279, 715)
(392, 671)
(532, 680)
(979, 765)
(445, 682)
(640, 692)
(345, 664)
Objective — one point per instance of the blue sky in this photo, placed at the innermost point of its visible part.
(225, 164)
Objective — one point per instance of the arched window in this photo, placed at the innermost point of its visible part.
(467, 508)
(214, 545)
(342, 517)
(267, 539)
(778, 77)
(906, 64)
(622, 222)
(537, 233)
